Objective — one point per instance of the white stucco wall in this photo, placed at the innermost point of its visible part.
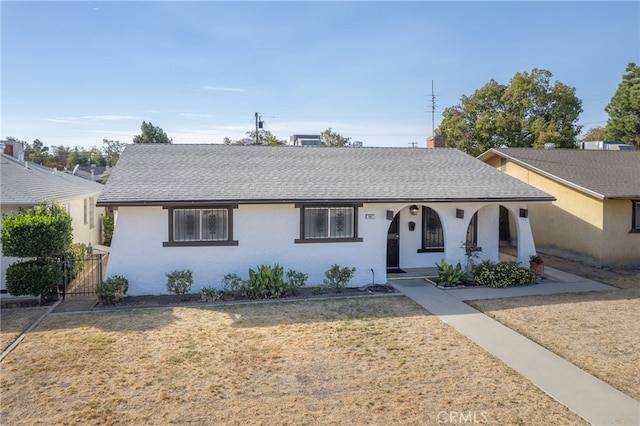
(266, 235)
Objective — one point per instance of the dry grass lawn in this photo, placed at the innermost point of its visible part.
(597, 331)
(13, 321)
(358, 361)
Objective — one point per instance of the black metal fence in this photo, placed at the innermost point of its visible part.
(86, 277)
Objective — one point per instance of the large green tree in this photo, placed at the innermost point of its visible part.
(624, 109)
(151, 134)
(530, 111)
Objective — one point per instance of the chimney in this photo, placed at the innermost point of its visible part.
(435, 142)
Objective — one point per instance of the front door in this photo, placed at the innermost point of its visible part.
(393, 244)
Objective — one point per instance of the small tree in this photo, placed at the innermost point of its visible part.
(43, 232)
(330, 138)
(151, 134)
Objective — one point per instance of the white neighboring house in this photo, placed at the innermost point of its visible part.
(219, 209)
(25, 185)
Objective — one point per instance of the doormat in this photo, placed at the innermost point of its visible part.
(395, 271)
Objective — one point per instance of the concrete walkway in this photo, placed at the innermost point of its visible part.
(590, 398)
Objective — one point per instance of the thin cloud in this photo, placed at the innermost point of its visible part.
(110, 117)
(92, 118)
(222, 89)
(197, 115)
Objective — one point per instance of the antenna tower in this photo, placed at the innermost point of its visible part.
(433, 112)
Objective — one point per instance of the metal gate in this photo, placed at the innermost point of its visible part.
(84, 275)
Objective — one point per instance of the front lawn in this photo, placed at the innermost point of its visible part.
(380, 360)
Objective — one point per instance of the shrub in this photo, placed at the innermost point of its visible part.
(34, 277)
(42, 231)
(179, 281)
(76, 254)
(535, 258)
(503, 274)
(337, 278)
(210, 294)
(295, 281)
(107, 228)
(449, 275)
(266, 282)
(112, 289)
(232, 284)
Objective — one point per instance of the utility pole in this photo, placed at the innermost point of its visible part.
(258, 126)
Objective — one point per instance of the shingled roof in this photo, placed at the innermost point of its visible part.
(602, 174)
(28, 186)
(157, 174)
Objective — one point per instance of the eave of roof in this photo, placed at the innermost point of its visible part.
(177, 203)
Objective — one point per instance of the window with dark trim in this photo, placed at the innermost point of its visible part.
(200, 226)
(432, 233)
(92, 212)
(328, 223)
(472, 231)
(635, 216)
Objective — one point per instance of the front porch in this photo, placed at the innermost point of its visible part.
(413, 273)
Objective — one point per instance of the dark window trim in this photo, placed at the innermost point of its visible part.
(433, 250)
(635, 218)
(228, 242)
(430, 249)
(354, 239)
(474, 236)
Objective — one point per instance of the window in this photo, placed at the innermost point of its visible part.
(86, 211)
(472, 231)
(328, 224)
(200, 226)
(92, 212)
(635, 217)
(432, 234)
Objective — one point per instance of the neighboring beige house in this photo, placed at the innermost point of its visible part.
(596, 215)
(24, 185)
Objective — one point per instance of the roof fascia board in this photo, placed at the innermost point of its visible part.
(174, 203)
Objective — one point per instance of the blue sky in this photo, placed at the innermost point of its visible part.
(76, 72)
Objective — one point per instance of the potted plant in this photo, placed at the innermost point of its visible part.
(536, 264)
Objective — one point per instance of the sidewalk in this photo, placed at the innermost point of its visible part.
(590, 398)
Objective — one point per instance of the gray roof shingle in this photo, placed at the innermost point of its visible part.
(603, 174)
(161, 174)
(22, 186)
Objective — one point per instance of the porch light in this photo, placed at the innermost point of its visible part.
(414, 210)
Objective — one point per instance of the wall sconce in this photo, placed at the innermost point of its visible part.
(524, 213)
(412, 226)
(459, 214)
(414, 210)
